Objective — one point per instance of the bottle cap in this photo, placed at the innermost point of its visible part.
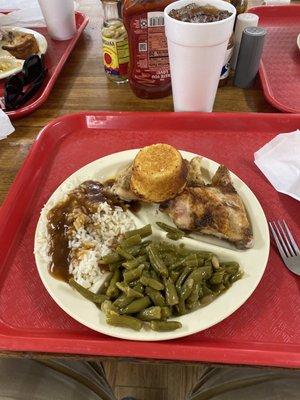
(249, 56)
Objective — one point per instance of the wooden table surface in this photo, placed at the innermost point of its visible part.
(82, 85)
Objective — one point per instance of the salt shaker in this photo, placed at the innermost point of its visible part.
(243, 21)
(250, 53)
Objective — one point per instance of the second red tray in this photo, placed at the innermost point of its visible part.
(55, 58)
(264, 331)
(280, 66)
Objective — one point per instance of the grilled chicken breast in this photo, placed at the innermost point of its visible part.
(214, 209)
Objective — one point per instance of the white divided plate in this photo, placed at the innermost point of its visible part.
(5, 55)
(253, 261)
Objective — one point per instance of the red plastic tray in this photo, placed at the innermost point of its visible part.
(280, 67)
(55, 58)
(264, 331)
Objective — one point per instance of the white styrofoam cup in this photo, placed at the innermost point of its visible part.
(196, 54)
(59, 16)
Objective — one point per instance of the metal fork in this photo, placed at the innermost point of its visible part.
(286, 245)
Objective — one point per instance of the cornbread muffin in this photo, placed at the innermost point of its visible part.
(158, 173)
(20, 45)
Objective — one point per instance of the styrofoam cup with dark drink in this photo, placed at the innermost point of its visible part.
(59, 16)
(197, 33)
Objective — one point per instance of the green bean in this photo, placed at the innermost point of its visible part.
(156, 262)
(231, 267)
(124, 253)
(95, 298)
(171, 293)
(181, 310)
(150, 314)
(182, 278)
(226, 280)
(110, 258)
(131, 241)
(186, 289)
(179, 263)
(112, 267)
(135, 262)
(164, 326)
(136, 251)
(236, 277)
(156, 297)
(174, 236)
(133, 283)
(205, 255)
(153, 283)
(154, 275)
(153, 280)
(139, 287)
(112, 290)
(143, 232)
(217, 277)
(218, 289)
(123, 301)
(145, 244)
(128, 290)
(200, 259)
(165, 313)
(196, 275)
(174, 275)
(170, 259)
(107, 306)
(206, 290)
(206, 271)
(133, 274)
(124, 321)
(200, 290)
(191, 261)
(179, 251)
(136, 306)
(192, 300)
(170, 229)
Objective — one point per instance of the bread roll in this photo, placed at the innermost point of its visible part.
(158, 173)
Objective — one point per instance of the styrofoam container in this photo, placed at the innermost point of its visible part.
(196, 53)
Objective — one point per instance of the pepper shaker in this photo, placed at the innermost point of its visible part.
(250, 53)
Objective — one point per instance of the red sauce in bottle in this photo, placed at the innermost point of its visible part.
(149, 71)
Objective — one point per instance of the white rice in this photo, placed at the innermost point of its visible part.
(90, 243)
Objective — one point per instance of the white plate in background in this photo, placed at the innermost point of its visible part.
(4, 54)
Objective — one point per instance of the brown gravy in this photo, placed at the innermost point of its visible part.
(85, 198)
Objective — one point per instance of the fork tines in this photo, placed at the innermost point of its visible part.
(284, 239)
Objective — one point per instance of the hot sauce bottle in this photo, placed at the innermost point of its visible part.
(149, 70)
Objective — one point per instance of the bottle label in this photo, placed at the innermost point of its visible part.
(150, 49)
(115, 56)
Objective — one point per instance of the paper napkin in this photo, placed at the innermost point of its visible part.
(6, 127)
(279, 161)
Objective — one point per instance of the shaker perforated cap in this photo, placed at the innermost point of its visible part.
(249, 57)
